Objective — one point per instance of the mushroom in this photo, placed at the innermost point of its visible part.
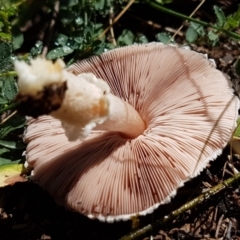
(166, 112)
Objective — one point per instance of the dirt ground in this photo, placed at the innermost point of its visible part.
(27, 212)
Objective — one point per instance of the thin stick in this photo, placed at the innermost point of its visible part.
(111, 29)
(8, 117)
(51, 28)
(117, 18)
(218, 226)
(188, 206)
(227, 233)
(199, 5)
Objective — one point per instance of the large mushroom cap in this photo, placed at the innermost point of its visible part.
(189, 111)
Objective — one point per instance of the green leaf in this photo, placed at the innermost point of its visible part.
(3, 101)
(5, 61)
(97, 47)
(88, 36)
(191, 35)
(11, 144)
(213, 37)
(5, 37)
(164, 38)
(237, 131)
(99, 5)
(61, 40)
(10, 88)
(78, 40)
(8, 11)
(5, 14)
(98, 29)
(126, 38)
(71, 43)
(141, 39)
(231, 23)
(1, 25)
(12, 124)
(79, 21)
(6, 161)
(4, 150)
(198, 28)
(66, 17)
(220, 16)
(233, 20)
(72, 3)
(37, 49)
(17, 40)
(10, 174)
(59, 52)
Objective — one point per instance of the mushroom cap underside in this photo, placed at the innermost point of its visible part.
(190, 113)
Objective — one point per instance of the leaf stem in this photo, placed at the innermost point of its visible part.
(9, 73)
(185, 17)
(9, 107)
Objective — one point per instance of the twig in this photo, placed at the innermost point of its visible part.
(117, 18)
(199, 5)
(8, 117)
(234, 170)
(111, 29)
(227, 234)
(215, 214)
(51, 28)
(224, 169)
(218, 226)
(188, 206)
(175, 31)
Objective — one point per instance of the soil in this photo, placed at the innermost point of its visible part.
(27, 212)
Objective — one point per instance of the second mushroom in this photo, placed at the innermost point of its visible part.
(162, 114)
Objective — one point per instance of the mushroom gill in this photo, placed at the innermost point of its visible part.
(189, 112)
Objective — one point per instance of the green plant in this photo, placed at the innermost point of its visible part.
(224, 25)
(11, 145)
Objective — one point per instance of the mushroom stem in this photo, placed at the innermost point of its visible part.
(122, 118)
(81, 102)
(88, 105)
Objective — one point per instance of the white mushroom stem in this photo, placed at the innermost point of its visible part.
(87, 104)
(122, 118)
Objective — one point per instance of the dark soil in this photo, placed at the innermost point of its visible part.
(27, 212)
